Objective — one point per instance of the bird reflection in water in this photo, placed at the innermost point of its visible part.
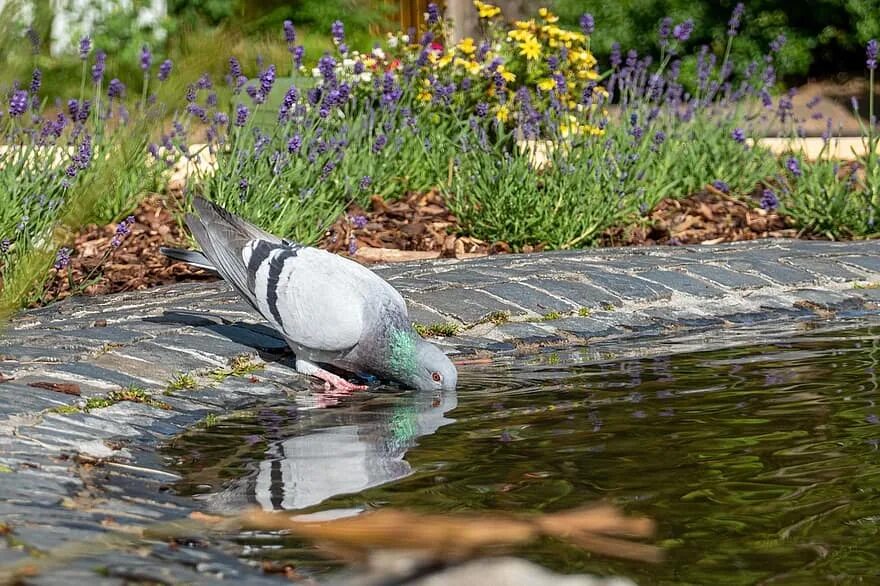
(338, 451)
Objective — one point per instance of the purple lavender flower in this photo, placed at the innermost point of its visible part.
(85, 108)
(243, 185)
(735, 19)
(553, 62)
(682, 32)
(793, 167)
(871, 51)
(327, 66)
(289, 33)
(482, 109)
(814, 101)
(123, 229)
(360, 220)
(241, 115)
(34, 38)
(380, 143)
(62, 258)
(190, 95)
(721, 186)
(337, 31)
(364, 185)
(298, 53)
(777, 44)
(234, 69)
(98, 67)
(352, 245)
(115, 89)
(659, 137)
(83, 155)
(769, 201)
(36, 81)
(588, 23)
(433, 14)
(221, 119)
(165, 70)
(739, 135)
(153, 149)
(18, 103)
(294, 144)
(664, 31)
(267, 80)
(85, 47)
(615, 54)
(204, 82)
(146, 58)
(198, 112)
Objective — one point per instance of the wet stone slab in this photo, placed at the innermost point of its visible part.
(147, 339)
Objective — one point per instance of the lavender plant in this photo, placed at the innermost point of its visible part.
(62, 169)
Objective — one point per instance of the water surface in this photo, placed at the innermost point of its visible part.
(760, 463)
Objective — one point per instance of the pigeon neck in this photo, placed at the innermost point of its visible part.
(402, 355)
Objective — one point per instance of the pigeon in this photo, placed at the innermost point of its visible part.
(330, 309)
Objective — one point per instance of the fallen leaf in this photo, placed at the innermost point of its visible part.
(66, 388)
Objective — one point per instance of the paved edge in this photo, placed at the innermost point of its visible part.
(68, 475)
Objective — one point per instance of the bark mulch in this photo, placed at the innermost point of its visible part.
(97, 268)
(707, 217)
(418, 226)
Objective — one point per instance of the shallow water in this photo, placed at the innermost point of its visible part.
(759, 463)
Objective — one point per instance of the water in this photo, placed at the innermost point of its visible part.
(759, 463)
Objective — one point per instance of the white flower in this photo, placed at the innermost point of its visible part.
(392, 41)
(316, 72)
(378, 53)
(366, 76)
(348, 63)
(405, 38)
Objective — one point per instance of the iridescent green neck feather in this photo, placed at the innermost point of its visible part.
(402, 358)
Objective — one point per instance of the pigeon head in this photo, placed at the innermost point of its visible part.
(420, 364)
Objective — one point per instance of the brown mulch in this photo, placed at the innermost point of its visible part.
(135, 264)
(417, 223)
(416, 227)
(707, 217)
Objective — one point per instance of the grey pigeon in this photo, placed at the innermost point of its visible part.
(330, 309)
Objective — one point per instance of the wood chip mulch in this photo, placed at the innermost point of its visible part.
(707, 217)
(136, 264)
(418, 226)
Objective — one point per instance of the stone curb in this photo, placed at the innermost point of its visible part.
(502, 304)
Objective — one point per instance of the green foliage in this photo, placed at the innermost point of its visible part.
(826, 37)
(442, 329)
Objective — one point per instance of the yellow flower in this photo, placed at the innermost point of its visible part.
(508, 76)
(546, 84)
(486, 10)
(502, 114)
(520, 35)
(530, 49)
(444, 60)
(425, 96)
(467, 46)
(525, 25)
(471, 67)
(547, 15)
(590, 74)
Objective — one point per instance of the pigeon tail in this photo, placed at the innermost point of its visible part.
(191, 257)
(222, 237)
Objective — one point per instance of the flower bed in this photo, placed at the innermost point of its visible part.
(419, 113)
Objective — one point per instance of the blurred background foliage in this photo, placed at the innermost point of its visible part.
(825, 38)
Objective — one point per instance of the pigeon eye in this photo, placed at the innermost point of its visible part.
(436, 377)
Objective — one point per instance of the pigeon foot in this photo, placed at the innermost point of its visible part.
(331, 381)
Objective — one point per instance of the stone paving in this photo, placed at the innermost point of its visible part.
(74, 465)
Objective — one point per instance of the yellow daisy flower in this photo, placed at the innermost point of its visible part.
(525, 25)
(467, 46)
(486, 10)
(547, 15)
(508, 76)
(502, 114)
(546, 84)
(530, 49)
